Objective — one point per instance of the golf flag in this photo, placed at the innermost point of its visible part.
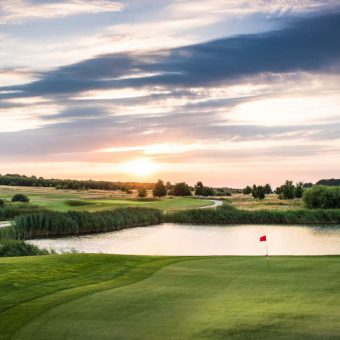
(264, 239)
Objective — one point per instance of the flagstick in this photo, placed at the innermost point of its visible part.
(267, 256)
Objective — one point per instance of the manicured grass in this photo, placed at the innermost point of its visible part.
(96, 200)
(127, 297)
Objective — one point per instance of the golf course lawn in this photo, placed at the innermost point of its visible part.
(78, 296)
(96, 200)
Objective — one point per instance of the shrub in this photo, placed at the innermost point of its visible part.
(246, 190)
(258, 192)
(298, 191)
(2, 202)
(142, 192)
(182, 189)
(289, 191)
(76, 203)
(322, 197)
(20, 198)
(159, 189)
(19, 248)
(201, 190)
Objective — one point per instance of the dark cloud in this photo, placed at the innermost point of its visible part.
(307, 44)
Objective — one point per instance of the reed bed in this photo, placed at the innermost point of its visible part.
(230, 215)
(57, 224)
(8, 233)
(8, 212)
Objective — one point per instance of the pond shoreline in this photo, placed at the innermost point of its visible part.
(169, 239)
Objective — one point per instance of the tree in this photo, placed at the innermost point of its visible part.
(287, 190)
(246, 190)
(308, 185)
(20, 198)
(258, 192)
(159, 189)
(168, 186)
(322, 197)
(329, 182)
(268, 189)
(298, 191)
(199, 189)
(142, 192)
(182, 189)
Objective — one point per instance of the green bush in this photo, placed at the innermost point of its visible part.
(322, 197)
(2, 202)
(12, 248)
(76, 203)
(142, 192)
(20, 198)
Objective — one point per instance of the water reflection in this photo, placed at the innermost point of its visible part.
(175, 239)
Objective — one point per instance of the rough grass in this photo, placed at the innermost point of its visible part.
(272, 202)
(127, 297)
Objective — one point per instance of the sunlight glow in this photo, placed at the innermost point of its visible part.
(141, 167)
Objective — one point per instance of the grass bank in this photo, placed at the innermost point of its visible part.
(230, 215)
(130, 297)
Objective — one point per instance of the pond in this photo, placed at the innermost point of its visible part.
(176, 239)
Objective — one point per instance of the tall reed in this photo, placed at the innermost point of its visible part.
(10, 211)
(8, 233)
(230, 215)
(53, 224)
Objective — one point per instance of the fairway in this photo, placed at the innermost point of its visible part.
(170, 298)
(97, 200)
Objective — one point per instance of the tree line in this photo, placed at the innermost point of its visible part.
(286, 191)
(183, 189)
(71, 184)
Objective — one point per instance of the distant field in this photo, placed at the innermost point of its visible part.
(247, 202)
(132, 297)
(95, 200)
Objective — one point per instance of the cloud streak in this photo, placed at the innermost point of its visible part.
(18, 11)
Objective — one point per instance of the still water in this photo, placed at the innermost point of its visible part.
(175, 239)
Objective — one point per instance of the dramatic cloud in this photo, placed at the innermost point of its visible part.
(266, 92)
(309, 44)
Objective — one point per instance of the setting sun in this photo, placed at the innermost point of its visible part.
(141, 167)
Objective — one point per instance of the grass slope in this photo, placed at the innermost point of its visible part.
(127, 297)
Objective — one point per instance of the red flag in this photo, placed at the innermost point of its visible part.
(263, 238)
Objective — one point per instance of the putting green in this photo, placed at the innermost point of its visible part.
(194, 298)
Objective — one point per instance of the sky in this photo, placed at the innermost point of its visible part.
(229, 92)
